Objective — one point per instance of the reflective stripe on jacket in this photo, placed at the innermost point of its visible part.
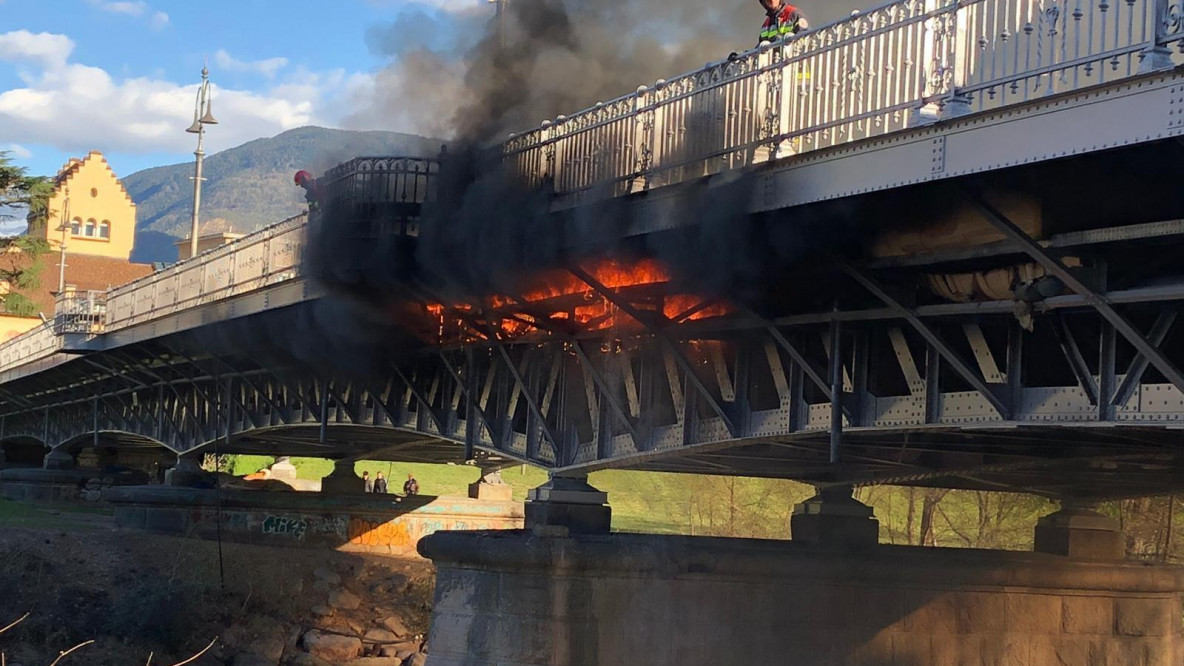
(786, 22)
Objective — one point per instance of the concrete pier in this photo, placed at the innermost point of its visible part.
(517, 598)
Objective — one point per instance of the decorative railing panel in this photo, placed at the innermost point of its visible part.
(379, 180)
(903, 64)
(1011, 52)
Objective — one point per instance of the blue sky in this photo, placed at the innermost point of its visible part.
(120, 76)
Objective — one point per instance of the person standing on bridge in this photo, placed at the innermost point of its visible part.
(781, 20)
(379, 483)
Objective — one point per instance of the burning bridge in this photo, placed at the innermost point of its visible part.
(934, 243)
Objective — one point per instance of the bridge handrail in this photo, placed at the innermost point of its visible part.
(32, 345)
(264, 257)
(902, 64)
(354, 180)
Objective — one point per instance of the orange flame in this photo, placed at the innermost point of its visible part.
(561, 298)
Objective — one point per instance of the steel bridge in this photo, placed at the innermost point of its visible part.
(960, 228)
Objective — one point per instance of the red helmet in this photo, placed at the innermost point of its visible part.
(302, 177)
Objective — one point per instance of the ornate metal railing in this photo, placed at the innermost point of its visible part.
(372, 180)
(903, 64)
(261, 259)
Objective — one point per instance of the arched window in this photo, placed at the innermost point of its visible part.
(89, 229)
(104, 229)
(76, 226)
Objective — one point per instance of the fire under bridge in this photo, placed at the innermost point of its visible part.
(934, 243)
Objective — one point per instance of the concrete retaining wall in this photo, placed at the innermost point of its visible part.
(372, 523)
(511, 598)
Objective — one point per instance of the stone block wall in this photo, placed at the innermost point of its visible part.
(370, 523)
(518, 600)
(43, 485)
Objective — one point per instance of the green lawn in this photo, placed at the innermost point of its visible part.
(63, 516)
(666, 503)
(641, 501)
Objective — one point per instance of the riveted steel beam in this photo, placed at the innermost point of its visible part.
(1074, 358)
(1093, 299)
(959, 366)
(1138, 366)
(679, 358)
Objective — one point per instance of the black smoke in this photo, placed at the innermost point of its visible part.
(546, 58)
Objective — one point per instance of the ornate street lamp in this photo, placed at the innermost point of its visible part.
(202, 116)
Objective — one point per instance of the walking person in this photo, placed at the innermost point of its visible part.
(367, 482)
(410, 486)
(379, 483)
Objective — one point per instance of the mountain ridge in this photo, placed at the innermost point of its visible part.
(249, 185)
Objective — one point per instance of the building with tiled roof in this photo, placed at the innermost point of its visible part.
(91, 225)
(90, 211)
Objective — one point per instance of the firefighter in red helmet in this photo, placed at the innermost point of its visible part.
(305, 180)
(781, 20)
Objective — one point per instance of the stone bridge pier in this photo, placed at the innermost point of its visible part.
(566, 592)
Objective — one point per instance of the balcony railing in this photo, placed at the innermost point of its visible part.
(903, 64)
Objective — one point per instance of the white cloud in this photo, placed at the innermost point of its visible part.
(136, 8)
(129, 8)
(267, 67)
(44, 49)
(448, 5)
(15, 149)
(75, 107)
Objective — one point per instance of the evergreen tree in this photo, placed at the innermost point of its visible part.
(21, 265)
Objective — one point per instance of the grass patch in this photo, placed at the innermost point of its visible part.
(62, 516)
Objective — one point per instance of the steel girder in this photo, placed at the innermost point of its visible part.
(735, 403)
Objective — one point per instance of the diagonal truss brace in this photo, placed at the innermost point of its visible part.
(609, 396)
(466, 387)
(965, 371)
(1075, 359)
(681, 360)
(526, 393)
(422, 399)
(1134, 373)
(1097, 301)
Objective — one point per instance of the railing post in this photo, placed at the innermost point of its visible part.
(961, 51)
(1156, 56)
(550, 161)
(266, 272)
(643, 140)
(940, 58)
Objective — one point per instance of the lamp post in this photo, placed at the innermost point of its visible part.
(64, 227)
(202, 116)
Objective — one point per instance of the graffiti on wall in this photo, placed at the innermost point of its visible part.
(390, 532)
(207, 519)
(403, 533)
(285, 525)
